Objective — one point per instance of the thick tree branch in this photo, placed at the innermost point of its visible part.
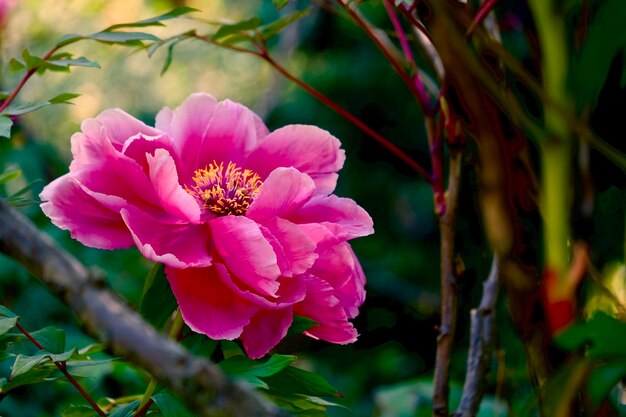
(200, 383)
(482, 333)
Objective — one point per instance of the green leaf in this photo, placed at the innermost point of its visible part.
(157, 301)
(51, 338)
(250, 370)
(168, 57)
(123, 38)
(5, 126)
(200, 345)
(6, 177)
(154, 21)
(19, 109)
(16, 65)
(63, 98)
(301, 324)
(24, 363)
(6, 324)
(279, 4)
(89, 349)
(76, 62)
(33, 377)
(79, 411)
(605, 39)
(126, 410)
(170, 406)
(237, 28)
(6, 312)
(298, 381)
(605, 336)
(275, 27)
(604, 378)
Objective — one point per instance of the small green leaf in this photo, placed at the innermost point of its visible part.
(79, 411)
(16, 65)
(301, 324)
(64, 98)
(604, 378)
(76, 62)
(6, 324)
(51, 338)
(275, 27)
(24, 363)
(6, 177)
(237, 28)
(154, 21)
(33, 377)
(89, 349)
(6, 312)
(200, 345)
(5, 126)
(250, 370)
(298, 381)
(126, 410)
(19, 109)
(604, 335)
(168, 57)
(279, 4)
(122, 38)
(158, 301)
(170, 406)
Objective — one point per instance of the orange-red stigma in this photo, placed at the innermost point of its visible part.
(225, 190)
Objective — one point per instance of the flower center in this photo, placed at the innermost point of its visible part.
(225, 190)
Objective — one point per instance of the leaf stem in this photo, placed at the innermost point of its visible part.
(24, 80)
(63, 368)
(146, 400)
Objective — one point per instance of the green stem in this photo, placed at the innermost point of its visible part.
(177, 325)
(555, 149)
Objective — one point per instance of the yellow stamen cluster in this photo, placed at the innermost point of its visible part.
(225, 190)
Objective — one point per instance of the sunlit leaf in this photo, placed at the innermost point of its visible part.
(6, 324)
(16, 65)
(118, 38)
(237, 28)
(63, 98)
(6, 177)
(154, 21)
(5, 126)
(157, 301)
(76, 62)
(170, 406)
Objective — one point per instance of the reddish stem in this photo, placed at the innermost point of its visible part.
(484, 10)
(346, 115)
(23, 81)
(419, 95)
(144, 409)
(61, 365)
(408, 13)
(406, 48)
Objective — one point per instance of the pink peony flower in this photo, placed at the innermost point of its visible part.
(244, 219)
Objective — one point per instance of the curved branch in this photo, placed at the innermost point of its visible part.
(200, 383)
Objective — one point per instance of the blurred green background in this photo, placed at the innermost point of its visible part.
(387, 372)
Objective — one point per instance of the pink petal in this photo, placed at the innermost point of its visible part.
(309, 149)
(265, 330)
(173, 198)
(291, 291)
(342, 216)
(283, 192)
(136, 147)
(119, 126)
(338, 266)
(230, 135)
(246, 252)
(294, 250)
(207, 305)
(91, 146)
(322, 305)
(187, 123)
(70, 208)
(179, 245)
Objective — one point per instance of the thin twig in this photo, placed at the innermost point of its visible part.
(201, 384)
(445, 341)
(482, 332)
(63, 368)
